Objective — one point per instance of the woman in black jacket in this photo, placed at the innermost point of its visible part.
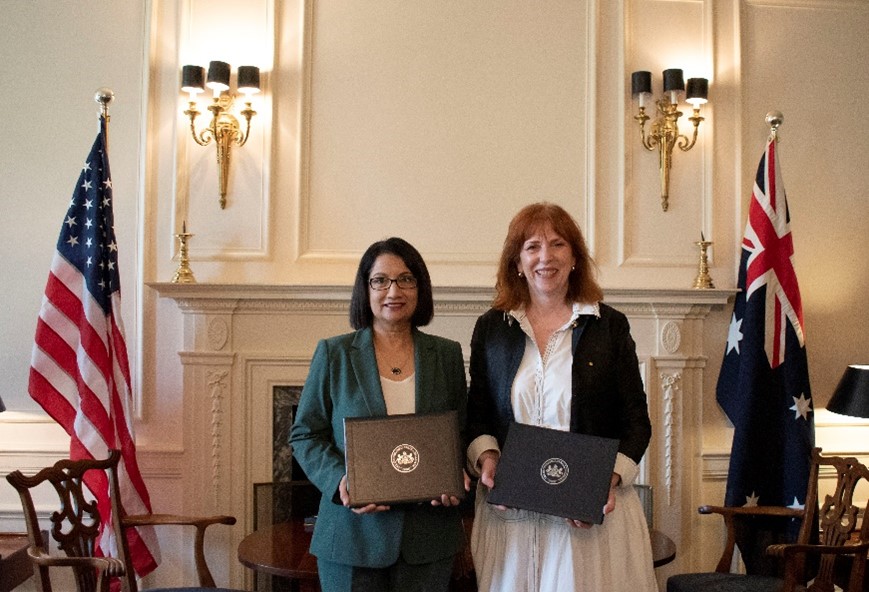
(550, 353)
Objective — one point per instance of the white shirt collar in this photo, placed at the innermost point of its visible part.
(579, 308)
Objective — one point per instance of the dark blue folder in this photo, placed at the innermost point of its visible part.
(555, 472)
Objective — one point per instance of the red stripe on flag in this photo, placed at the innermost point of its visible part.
(80, 372)
(49, 399)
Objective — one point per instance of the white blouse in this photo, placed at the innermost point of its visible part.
(524, 551)
(399, 395)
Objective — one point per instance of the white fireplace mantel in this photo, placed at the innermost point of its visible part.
(187, 294)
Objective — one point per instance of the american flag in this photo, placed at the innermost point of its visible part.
(764, 382)
(79, 369)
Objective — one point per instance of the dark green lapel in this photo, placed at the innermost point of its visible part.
(365, 368)
(425, 360)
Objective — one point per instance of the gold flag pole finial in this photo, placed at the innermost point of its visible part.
(104, 96)
(774, 119)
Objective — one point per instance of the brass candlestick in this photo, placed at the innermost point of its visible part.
(703, 280)
(183, 275)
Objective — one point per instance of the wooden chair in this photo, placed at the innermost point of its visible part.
(835, 553)
(76, 524)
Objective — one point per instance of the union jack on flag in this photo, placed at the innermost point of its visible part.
(763, 386)
(79, 368)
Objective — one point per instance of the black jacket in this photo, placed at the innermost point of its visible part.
(608, 397)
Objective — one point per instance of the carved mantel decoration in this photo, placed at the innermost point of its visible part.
(243, 340)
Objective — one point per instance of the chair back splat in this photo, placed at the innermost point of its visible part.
(830, 549)
(837, 519)
(77, 523)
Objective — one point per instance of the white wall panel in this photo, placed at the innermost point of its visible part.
(652, 237)
(438, 121)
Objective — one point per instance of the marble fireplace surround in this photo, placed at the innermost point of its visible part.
(241, 341)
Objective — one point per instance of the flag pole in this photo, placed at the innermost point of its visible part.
(774, 119)
(104, 96)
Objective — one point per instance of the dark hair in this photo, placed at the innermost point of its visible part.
(511, 290)
(360, 302)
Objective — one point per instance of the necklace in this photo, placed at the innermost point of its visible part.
(396, 369)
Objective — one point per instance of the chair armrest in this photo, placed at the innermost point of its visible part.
(105, 567)
(730, 512)
(200, 522)
(795, 560)
(788, 550)
(752, 511)
(175, 519)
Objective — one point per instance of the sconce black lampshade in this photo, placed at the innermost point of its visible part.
(2, 406)
(697, 90)
(852, 395)
(218, 75)
(248, 79)
(192, 79)
(673, 80)
(641, 82)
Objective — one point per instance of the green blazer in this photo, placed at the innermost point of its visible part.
(343, 381)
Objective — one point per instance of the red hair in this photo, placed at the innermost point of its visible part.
(512, 290)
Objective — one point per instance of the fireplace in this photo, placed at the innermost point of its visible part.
(247, 351)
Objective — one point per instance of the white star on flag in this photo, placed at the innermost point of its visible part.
(797, 505)
(734, 335)
(801, 407)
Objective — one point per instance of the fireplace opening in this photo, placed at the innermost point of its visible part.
(285, 402)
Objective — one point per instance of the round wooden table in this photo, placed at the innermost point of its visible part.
(282, 550)
(663, 548)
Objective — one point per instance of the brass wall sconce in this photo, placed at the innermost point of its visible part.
(664, 133)
(224, 128)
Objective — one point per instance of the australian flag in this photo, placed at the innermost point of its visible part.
(764, 382)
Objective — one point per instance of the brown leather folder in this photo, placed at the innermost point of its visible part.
(555, 472)
(403, 458)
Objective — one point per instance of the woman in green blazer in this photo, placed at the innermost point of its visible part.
(386, 367)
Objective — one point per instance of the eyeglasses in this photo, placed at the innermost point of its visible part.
(381, 282)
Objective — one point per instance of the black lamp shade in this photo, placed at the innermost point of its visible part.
(673, 80)
(192, 79)
(851, 397)
(697, 89)
(2, 406)
(641, 82)
(248, 79)
(218, 75)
